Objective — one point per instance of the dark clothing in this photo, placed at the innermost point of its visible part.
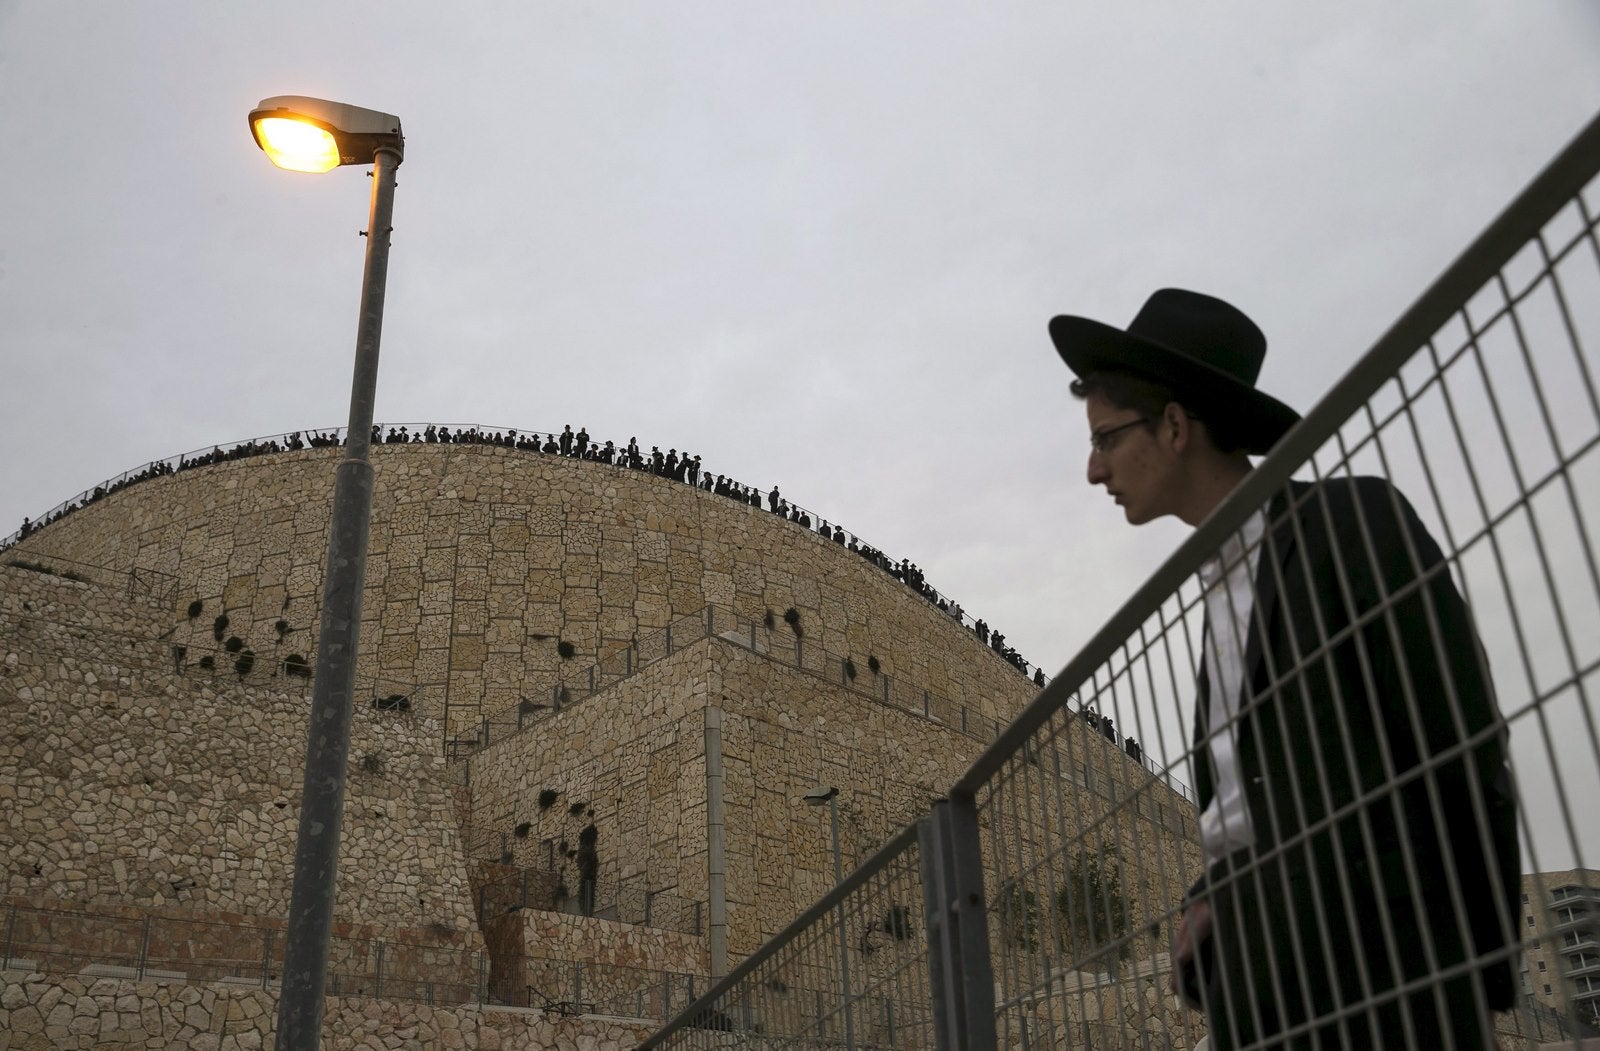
(1342, 697)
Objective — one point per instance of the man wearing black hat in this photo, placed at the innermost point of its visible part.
(1357, 816)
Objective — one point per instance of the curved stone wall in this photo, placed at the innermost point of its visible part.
(484, 558)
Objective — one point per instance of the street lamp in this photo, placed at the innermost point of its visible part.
(829, 794)
(314, 135)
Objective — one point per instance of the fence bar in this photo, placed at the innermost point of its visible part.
(959, 971)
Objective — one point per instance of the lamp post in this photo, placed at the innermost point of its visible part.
(314, 135)
(829, 794)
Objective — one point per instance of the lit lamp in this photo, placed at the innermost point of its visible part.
(313, 135)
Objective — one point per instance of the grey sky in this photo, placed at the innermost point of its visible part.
(816, 244)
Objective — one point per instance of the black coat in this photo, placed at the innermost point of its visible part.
(1361, 665)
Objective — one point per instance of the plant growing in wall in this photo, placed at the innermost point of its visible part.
(791, 617)
(522, 830)
(394, 702)
(219, 626)
(244, 662)
(372, 762)
(565, 649)
(208, 662)
(1092, 906)
(195, 607)
(1018, 910)
(295, 664)
(281, 626)
(234, 644)
(849, 668)
(769, 621)
(547, 798)
(873, 665)
(178, 653)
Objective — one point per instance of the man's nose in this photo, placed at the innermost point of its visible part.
(1097, 471)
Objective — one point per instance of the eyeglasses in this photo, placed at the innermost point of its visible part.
(1103, 441)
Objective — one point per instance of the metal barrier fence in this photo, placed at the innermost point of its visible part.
(173, 950)
(852, 971)
(510, 888)
(158, 586)
(1427, 591)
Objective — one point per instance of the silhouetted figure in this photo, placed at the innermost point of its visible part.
(772, 500)
(582, 439)
(1038, 676)
(566, 440)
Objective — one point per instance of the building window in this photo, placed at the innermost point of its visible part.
(1541, 966)
(1530, 921)
(1547, 989)
(1535, 943)
(1524, 899)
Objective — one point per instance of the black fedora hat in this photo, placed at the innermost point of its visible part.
(1203, 348)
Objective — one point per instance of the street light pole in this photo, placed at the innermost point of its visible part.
(350, 133)
(814, 797)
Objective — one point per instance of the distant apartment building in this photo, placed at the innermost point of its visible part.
(1561, 941)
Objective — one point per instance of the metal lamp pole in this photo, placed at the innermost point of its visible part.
(315, 135)
(816, 797)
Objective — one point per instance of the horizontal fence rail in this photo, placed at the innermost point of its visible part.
(1377, 661)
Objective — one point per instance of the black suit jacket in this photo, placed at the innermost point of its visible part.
(1361, 665)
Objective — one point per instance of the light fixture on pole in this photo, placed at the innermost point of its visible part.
(314, 135)
(829, 794)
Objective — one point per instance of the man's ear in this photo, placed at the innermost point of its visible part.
(1177, 426)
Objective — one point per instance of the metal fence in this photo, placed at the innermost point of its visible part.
(1418, 558)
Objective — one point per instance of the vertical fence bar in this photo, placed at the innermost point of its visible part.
(959, 969)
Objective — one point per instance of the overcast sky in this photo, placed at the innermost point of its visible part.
(817, 244)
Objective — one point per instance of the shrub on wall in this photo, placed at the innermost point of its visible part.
(547, 798)
(566, 649)
(195, 607)
(244, 662)
(219, 626)
(234, 644)
(295, 664)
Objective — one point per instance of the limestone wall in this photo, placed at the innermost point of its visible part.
(484, 558)
(125, 781)
(39, 1011)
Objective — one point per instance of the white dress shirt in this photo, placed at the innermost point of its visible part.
(1229, 579)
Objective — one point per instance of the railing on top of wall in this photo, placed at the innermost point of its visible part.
(475, 434)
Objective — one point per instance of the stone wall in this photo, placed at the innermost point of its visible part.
(484, 558)
(39, 1011)
(124, 781)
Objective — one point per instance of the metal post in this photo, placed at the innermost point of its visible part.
(11, 932)
(266, 956)
(669, 639)
(481, 990)
(316, 860)
(577, 987)
(377, 978)
(844, 942)
(961, 976)
(144, 946)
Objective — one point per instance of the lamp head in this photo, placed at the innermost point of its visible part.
(314, 135)
(820, 795)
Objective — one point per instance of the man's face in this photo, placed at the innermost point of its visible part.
(1128, 458)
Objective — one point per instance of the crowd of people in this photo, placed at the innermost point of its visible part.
(680, 467)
